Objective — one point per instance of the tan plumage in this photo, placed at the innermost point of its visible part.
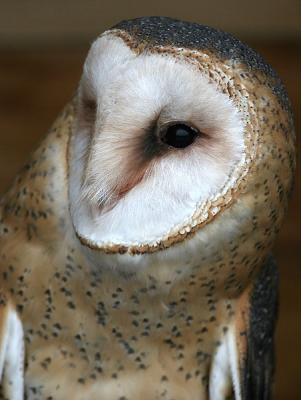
(165, 318)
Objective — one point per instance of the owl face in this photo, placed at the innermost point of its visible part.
(155, 140)
(181, 152)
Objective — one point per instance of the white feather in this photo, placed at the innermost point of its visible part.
(12, 357)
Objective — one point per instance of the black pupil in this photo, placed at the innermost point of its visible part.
(179, 135)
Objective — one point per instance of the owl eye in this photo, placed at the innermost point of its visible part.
(179, 135)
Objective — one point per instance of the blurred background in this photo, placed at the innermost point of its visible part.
(43, 45)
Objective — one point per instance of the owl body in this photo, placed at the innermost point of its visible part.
(131, 267)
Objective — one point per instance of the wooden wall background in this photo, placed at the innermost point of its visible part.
(42, 47)
(44, 22)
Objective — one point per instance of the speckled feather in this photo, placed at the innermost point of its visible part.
(164, 31)
(95, 333)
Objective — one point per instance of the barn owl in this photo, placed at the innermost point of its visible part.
(136, 242)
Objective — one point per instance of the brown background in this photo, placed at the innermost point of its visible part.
(42, 48)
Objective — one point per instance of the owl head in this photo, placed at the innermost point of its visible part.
(182, 145)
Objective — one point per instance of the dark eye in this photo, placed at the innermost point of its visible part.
(179, 135)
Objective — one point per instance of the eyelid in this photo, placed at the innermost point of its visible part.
(180, 122)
